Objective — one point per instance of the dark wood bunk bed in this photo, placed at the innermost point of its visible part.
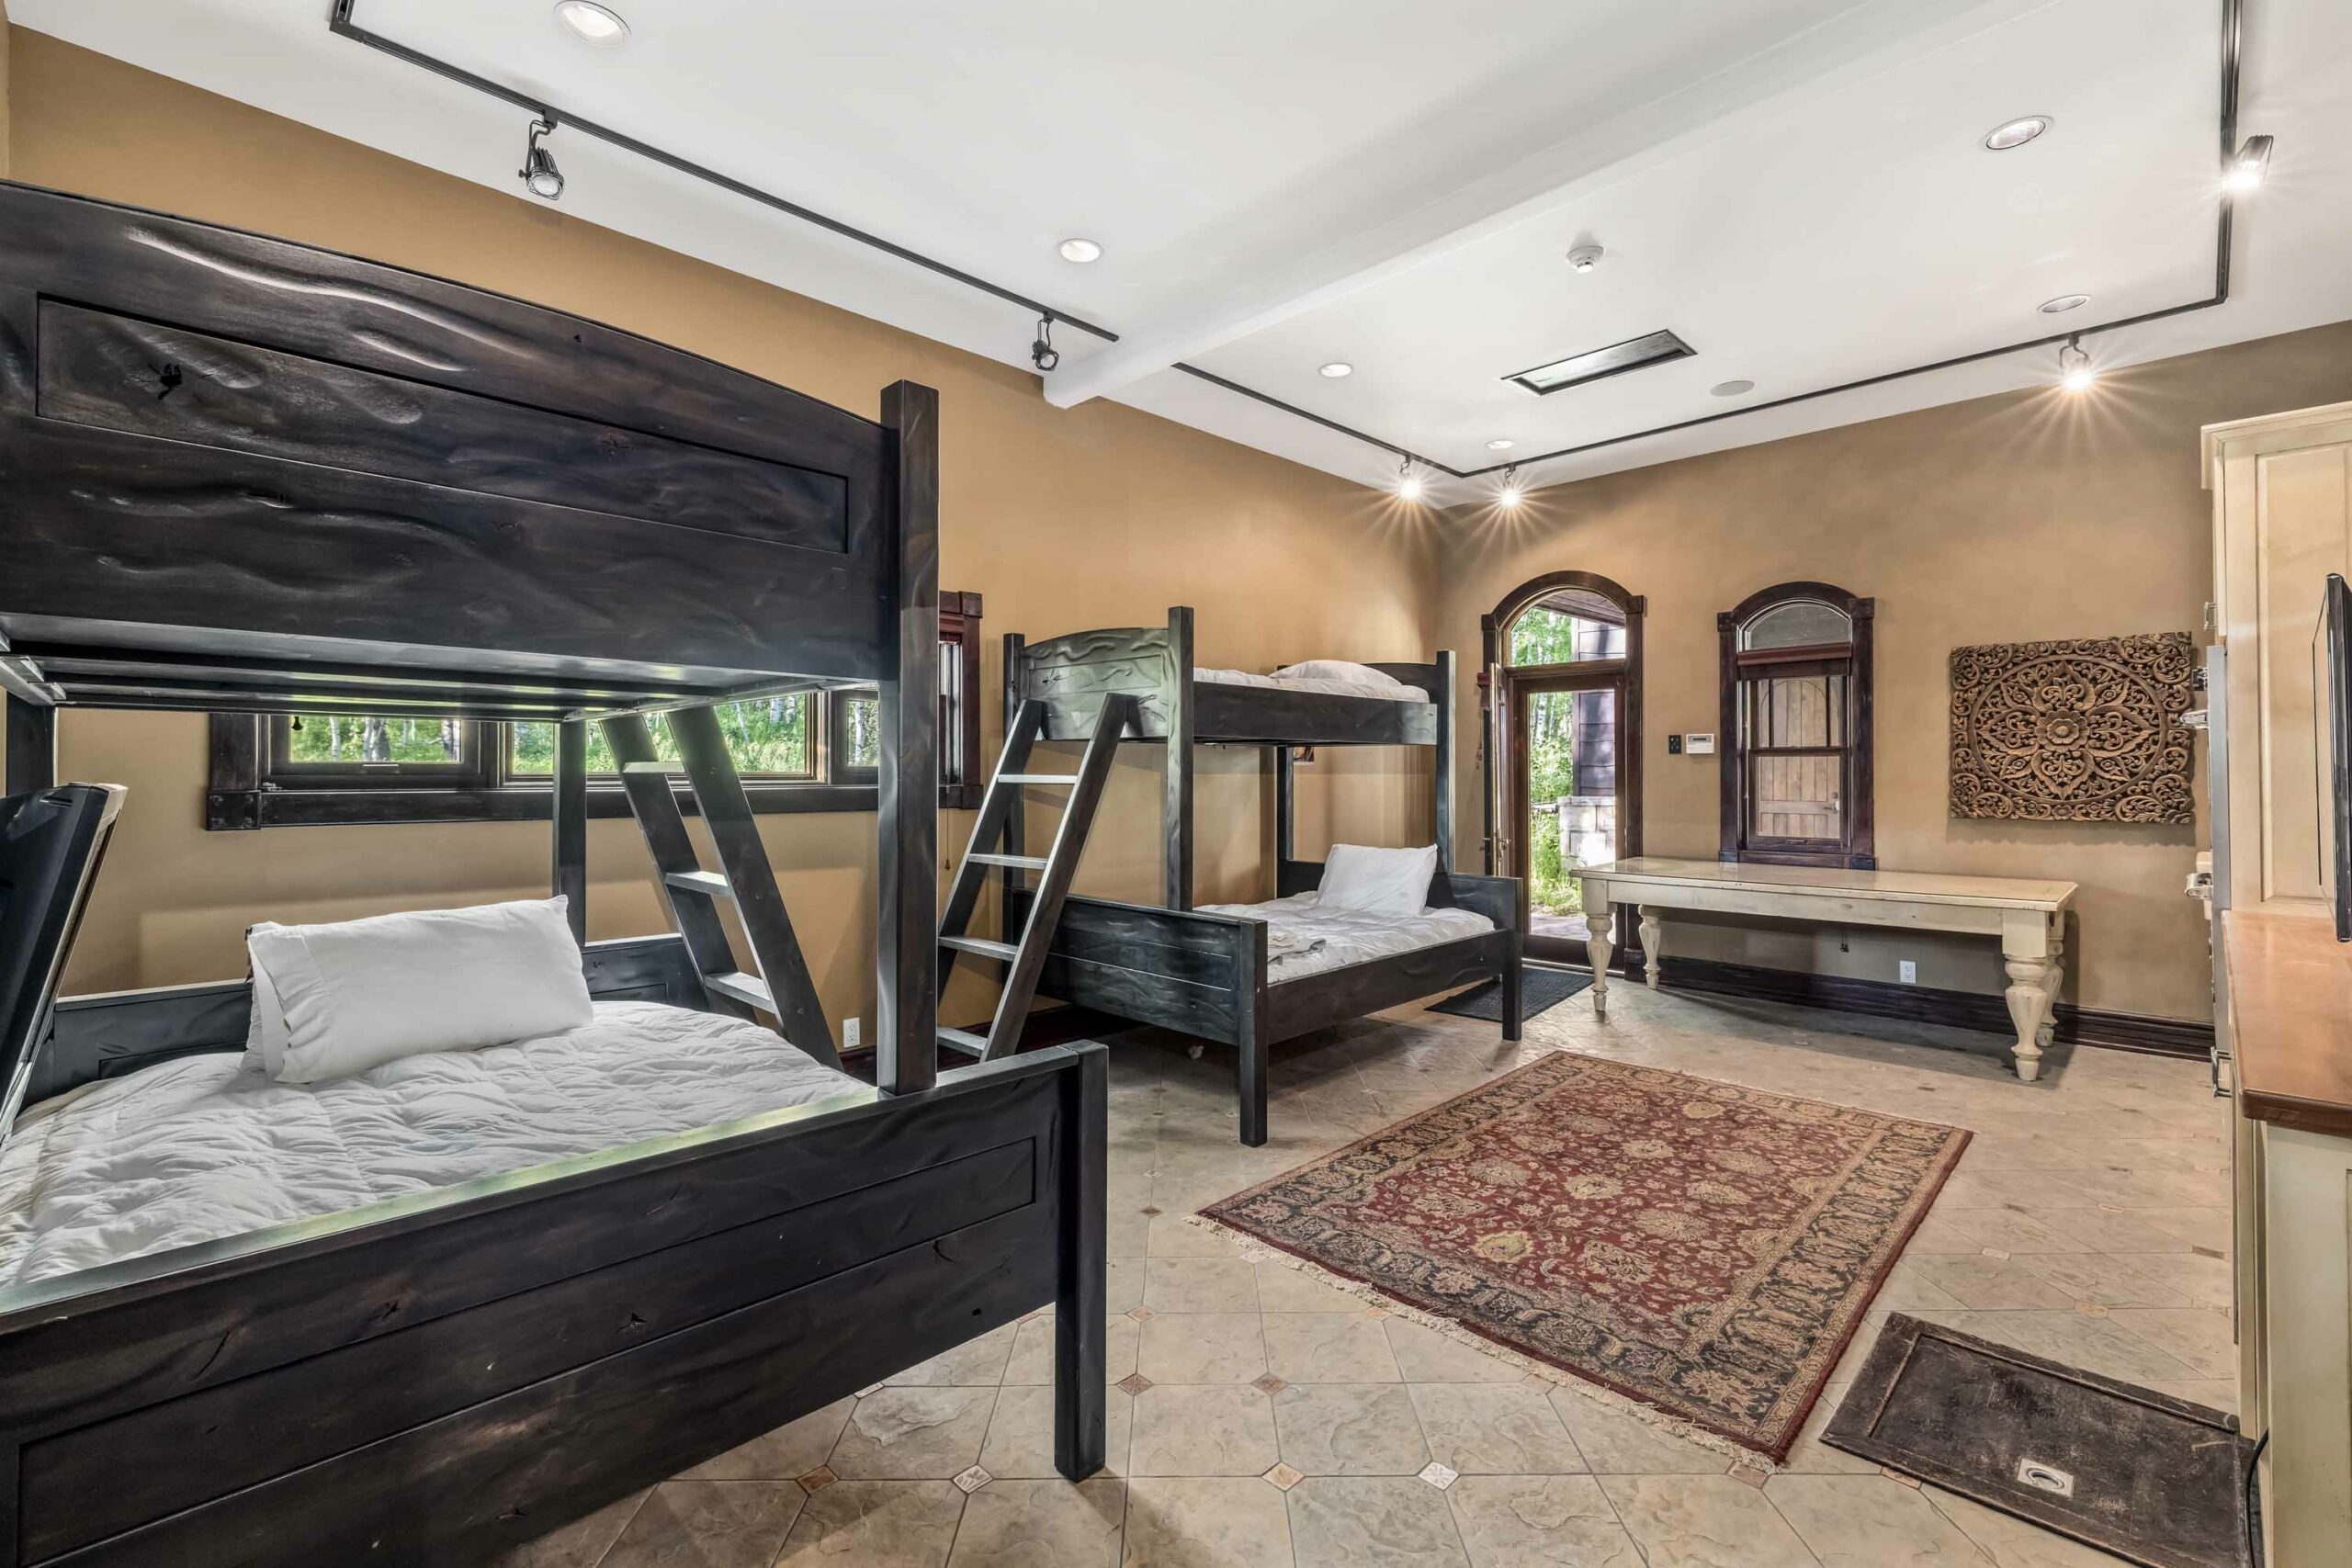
(238, 474)
(1204, 974)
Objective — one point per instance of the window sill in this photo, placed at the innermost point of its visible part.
(242, 810)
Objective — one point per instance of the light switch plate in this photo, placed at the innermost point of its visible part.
(1699, 745)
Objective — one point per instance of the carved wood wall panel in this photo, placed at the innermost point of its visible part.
(2087, 730)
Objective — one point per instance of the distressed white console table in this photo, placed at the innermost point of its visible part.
(2028, 918)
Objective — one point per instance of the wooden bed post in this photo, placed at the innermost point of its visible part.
(1176, 805)
(32, 746)
(1250, 1042)
(905, 1030)
(1285, 810)
(1016, 822)
(1081, 1294)
(1443, 698)
(570, 878)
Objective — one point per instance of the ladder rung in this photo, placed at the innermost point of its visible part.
(1037, 778)
(1020, 862)
(1003, 950)
(704, 882)
(749, 990)
(962, 1039)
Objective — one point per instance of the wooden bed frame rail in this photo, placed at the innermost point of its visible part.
(433, 1379)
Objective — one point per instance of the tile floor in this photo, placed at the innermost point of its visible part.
(1262, 1420)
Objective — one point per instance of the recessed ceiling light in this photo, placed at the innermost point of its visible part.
(1732, 389)
(1080, 251)
(592, 23)
(2015, 133)
(1500, 445)
(2064, 303)
(1336, 368)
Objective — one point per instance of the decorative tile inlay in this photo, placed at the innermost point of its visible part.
(1153, 1210)
(1439, 1475)
(1134, 1382)
(1749, 1475)
(1994, 1252)
(1269, 1384)
(2086, 730)
(1283, 1477)
(2091, 1309)
(972, 1480)
(818, 1479)
(1142, 1315)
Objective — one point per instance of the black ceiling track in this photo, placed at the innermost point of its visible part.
(340, 22)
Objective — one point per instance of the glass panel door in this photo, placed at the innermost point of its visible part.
(1566, 735)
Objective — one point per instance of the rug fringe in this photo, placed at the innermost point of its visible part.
(1253, 1250)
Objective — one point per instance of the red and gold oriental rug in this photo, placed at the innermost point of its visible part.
(1701, 1248)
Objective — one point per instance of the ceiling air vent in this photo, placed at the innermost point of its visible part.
(1595, 364)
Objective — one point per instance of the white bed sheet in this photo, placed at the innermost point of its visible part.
(197, 1148)
(1348, 936)
(1299, 684)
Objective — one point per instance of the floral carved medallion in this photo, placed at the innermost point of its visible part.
(2081, 732)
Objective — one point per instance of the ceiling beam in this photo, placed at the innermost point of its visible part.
(1872, 36)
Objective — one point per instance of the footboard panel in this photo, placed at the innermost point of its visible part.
(431, 1381)
(1178, 968)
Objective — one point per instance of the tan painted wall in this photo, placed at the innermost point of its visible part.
(1099, 517)
(2016, 518)
(5, 30)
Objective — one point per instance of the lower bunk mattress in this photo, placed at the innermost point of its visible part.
(1304, 938)
(204, 1146)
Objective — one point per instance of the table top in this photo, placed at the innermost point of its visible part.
(2291, 1014)
(1899, 887)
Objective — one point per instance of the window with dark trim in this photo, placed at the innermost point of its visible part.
(805, 751)
(1796, 727)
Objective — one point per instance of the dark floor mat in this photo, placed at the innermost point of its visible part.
(2153, 1479)
(1540, 988)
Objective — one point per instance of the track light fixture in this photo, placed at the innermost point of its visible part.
(1409, 484)
(2075, 371)
(1513, 491)
(538, 174)
(2251, 166)
(1043, 354)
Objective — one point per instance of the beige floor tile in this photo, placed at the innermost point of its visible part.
(2093, 1344)
(1539, 1521)
(1349, 1429)
(1330, 1346)
(1981, 1282)
(1032, 1360)
(1616, 1442)
(1907, 1288)
(1869, 1521)
(1041, 1523)
(708, 1524)
(2198, 1338)
(1281, 1289)
(1424, 1355)
(1216, 1429)
(2112, 1279)
(1020, 1442)
(913, 1434)
(1493, 1429)
(2214, 1393)
(2011, 1542)
(580, 1544)
(1373, 1522)
(1810, 1456)
(1124, 1286)
(1202, 1347)
(1200, 1284)
(976, 1363)
(1174, 1235)
(1177, 1522)
(2209, 1228)
(875, 1524)
(2102, 1230)
(1704, 1521)
(789, 1452)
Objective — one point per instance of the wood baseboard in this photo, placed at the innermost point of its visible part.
(1927, 1004)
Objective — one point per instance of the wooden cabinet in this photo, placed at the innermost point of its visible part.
(2282, 520)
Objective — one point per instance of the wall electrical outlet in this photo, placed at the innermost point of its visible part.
(852, 1030)
(1907, 972)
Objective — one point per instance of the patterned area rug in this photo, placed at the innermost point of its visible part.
(1703, 1249)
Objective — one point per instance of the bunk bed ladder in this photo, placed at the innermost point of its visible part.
(778, 982)
(1000, 823)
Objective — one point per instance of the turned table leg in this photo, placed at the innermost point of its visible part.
(1598, 948)
(1651, 937)
(2057, 981)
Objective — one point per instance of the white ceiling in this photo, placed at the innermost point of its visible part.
(1795, 186)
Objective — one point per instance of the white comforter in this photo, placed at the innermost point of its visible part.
(194, 1149)
(1311, 683)
(1332, 939)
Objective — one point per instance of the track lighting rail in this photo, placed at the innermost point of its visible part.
(2235, 158)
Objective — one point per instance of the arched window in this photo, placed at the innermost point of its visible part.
(1796, 727)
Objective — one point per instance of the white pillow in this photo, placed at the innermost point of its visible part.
(1337, 670)
(332, 1000)
(1379, 882)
